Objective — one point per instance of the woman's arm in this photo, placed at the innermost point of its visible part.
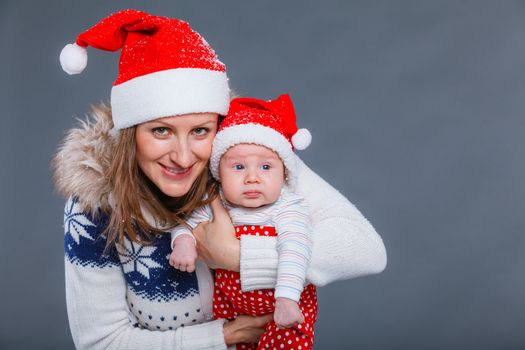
(99, 319)
(98, 314)
(345, 243)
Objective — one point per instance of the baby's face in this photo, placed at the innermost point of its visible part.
(251, 175)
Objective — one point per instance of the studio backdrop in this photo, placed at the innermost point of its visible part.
(417, 114)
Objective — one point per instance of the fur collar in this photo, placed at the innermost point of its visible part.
(83, 158)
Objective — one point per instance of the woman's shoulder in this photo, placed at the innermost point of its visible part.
(83, 158)
(317, 191)
(84, 238)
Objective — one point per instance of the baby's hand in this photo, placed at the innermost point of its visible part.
(184, 253)
(287, 313)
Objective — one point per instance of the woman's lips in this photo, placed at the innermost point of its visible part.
(175, 173)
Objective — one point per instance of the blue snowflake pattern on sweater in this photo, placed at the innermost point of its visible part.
(149, 274)
(83, 240)
(135, 257)
(146, 267)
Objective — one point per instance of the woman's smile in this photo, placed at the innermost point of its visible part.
(173, 151)
(175, 173)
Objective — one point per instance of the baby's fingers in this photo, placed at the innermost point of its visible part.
(190, 268)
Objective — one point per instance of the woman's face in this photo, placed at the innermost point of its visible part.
(173, 151)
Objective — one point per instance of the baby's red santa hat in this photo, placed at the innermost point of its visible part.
(165, 69)
(267, 123)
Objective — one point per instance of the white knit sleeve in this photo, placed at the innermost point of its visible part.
(345, 245)
(99, 317)
(98, 314)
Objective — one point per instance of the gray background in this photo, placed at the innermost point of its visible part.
(417, 114)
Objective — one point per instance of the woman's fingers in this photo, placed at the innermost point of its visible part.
(262, 321)
(245, 329)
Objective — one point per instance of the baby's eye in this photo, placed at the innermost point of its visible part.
(265, 167)
(201, 131)
(161, 131)
(238, 166)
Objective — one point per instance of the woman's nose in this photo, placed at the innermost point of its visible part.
(181, 154)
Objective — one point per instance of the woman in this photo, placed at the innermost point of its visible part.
(139, 168)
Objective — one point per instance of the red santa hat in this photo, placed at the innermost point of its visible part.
(165, 68)
(267, 123)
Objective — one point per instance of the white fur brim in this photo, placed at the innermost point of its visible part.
(167, 93)
(253, 134)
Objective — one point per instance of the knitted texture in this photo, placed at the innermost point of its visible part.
(157, 297)
(340, 233)
(101, 317)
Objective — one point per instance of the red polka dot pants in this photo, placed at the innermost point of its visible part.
(229, 302)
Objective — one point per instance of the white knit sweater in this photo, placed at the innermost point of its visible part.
(134, 300)
(116, 302)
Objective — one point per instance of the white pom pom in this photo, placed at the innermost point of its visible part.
(73, 59)
(302, 139)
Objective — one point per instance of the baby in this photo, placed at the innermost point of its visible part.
(253, 160)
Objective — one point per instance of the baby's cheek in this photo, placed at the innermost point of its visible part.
(274, 194)
(229, 192)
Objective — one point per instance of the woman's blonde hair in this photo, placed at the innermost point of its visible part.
(134, 192)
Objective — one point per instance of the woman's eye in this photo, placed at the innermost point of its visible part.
(161, 131)
(200, 131)
(265, 167)
(238, 166)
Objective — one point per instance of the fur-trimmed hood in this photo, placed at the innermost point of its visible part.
(83, 159)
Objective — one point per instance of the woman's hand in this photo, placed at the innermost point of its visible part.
(216, 242)
(245, 329)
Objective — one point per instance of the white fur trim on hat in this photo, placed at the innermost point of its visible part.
(253, 134)
(169, 92)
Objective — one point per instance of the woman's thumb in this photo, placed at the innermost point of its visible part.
(218, 210)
